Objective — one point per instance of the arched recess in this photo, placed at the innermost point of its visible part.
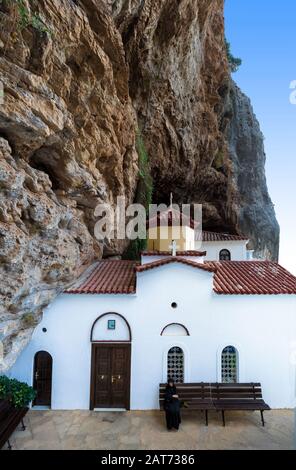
(42, 378)
(225, 255)
(110, 362)
(175, 329)
(112, 327)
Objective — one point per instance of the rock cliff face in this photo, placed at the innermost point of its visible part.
(68, 143)
(80, 78)
(178, 77)
(256, 216)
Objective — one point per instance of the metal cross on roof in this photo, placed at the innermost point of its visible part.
(174, 247)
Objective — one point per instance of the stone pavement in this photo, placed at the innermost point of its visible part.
(146, 430)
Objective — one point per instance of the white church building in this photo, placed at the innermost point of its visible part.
(212, 315)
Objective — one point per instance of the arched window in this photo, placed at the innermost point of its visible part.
(229, 365)
(176, 364)
(225, 255)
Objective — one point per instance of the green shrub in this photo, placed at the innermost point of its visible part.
(134, 249)
(25, 17)
(145, 183)
(143, 195)
(218, 160)
(18, 393)
(29, 320)
(4, 387)
(234, 62)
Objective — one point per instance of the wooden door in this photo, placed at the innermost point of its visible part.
(110, 381)
(42, 378)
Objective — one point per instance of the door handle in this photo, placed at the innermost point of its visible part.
(114, 377)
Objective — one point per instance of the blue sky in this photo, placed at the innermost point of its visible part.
(263, 34)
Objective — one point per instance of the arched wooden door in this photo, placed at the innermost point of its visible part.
(42, 380)
(110, 375)
(111, 362)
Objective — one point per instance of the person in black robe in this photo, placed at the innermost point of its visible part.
(172, 406)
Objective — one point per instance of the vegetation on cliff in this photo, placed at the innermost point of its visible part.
(234, 62)
(143, 195)
(25, 14)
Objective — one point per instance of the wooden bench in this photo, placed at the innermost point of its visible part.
(239, 396)
(196, 395)
(220, 397)
(10, 418)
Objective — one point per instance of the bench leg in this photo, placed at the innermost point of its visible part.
(23, 425)
(9, 447)
(262, 418)
(223, 417)
(207, 418)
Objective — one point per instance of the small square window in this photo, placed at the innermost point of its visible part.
(111, 324)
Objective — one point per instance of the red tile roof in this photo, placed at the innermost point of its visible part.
(252, 277)
(107, 277)
(174, 259)
(230, 277)
(169, 253)
(217, 237)
(171, 217)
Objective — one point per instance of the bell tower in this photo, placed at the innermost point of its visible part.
(171, 231)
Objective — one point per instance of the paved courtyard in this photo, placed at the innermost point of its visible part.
(146, 430)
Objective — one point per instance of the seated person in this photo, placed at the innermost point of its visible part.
(172, 406)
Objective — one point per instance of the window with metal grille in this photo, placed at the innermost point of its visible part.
(176, 364)
(229, 365)
(225, 255)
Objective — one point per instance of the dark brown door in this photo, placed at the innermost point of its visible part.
(110, 382)
(42, 378)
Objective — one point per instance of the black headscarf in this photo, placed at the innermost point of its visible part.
(171, 390)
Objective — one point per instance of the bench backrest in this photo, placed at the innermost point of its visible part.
(193, 392)
(198, 392)
(237, 391)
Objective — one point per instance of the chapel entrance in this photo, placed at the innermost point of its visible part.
(42, 379)
(110, 376)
